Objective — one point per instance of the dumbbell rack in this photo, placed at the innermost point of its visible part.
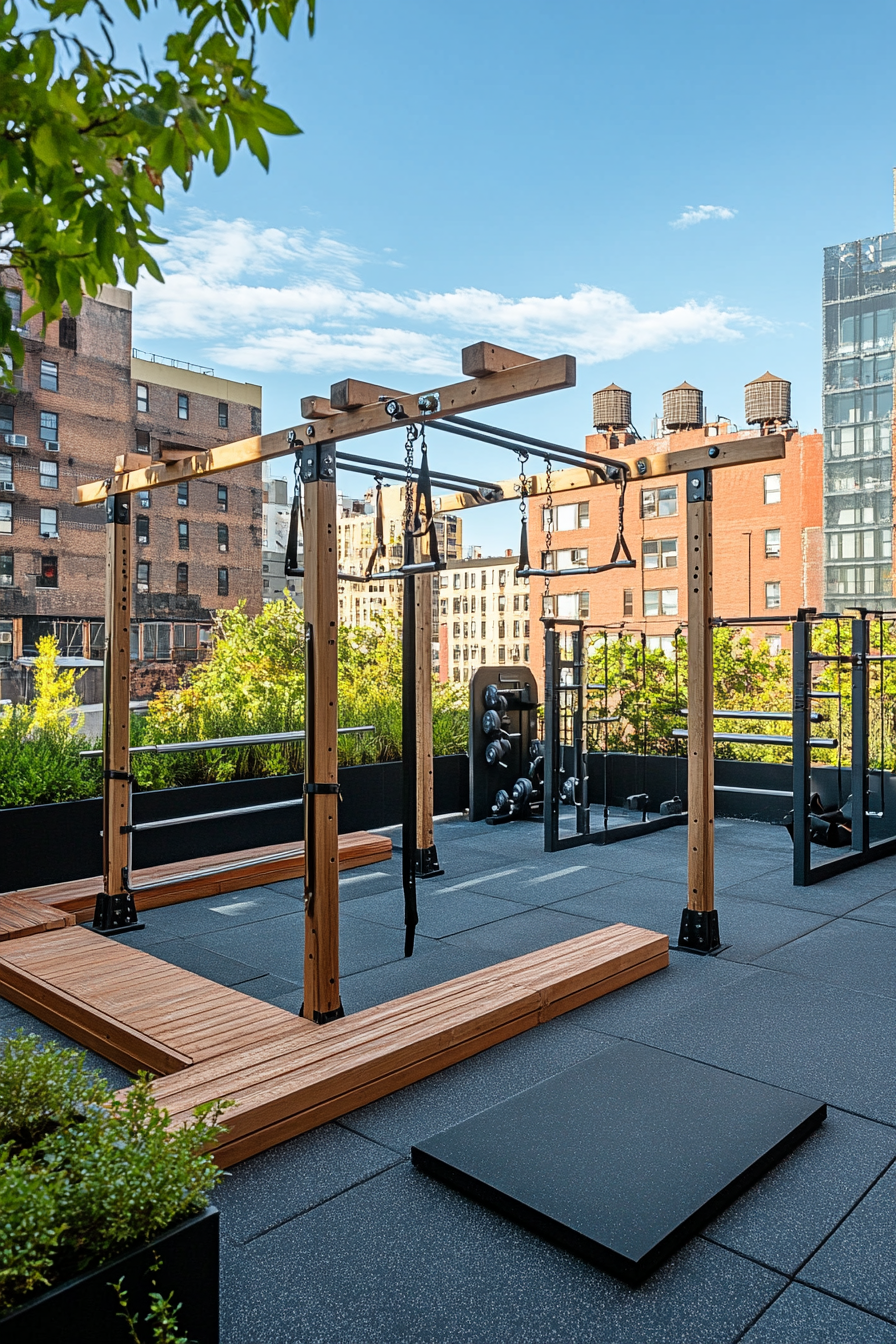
(499, 754)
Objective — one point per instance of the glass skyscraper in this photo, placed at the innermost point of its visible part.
(859, 318)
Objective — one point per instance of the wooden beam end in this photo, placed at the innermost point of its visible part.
(483, 358)
(352, 393)
(317, 408)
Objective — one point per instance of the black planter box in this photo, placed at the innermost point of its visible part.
(85, 1310)
(62, 842)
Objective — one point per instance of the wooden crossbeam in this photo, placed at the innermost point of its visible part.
(352, 393)
(525, 380)
(483, 358)
(737, 453)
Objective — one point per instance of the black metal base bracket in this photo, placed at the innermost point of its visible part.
(115, 914)
(427, 863)
(699, 932)
(320, 1019)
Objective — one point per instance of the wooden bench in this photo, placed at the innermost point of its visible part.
(285, 1087)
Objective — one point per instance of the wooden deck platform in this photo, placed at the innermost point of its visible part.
(285, 1075)
(70, 902)
(132, 1008)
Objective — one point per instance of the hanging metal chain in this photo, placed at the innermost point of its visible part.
(548, 534)
(524, 484)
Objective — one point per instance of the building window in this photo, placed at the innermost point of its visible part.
(6, 569)
(142, 576)
(144, 499)
(49, 376)
(49, 520)
(772, 595)
(68, 333)
(156, 641)
(223, 537)
(774, 645)
(456, 580)
(183, 536)
(142, 441)
(49, 426)
(223, 582)
(772, 543)
(14, 302)
(772, 489)
(142, 531)
(182, 582)
(222, 498)
(662, 554)
(49, 475)
(255, 420)
(183, 406)
(660, 601)
(482, 629)
(135, 643)
(661, 502)
(142, 398)
(6, 477)
(186, 640)
(627, 602)
(500, 629)
(502, 577)
(5, 518)
(457, 629)
(48, 577)
(502, 654)
(516, 629)
(7, 419)
(222, 414)
(576, 558)
(183, 493)
(565, 517)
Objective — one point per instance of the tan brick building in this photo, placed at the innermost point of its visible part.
(75, 408)
(483, 616)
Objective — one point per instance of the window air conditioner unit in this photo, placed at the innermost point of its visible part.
(16, 440)
(7, 485)
(51, 445)
(5, 636)
(222, 548)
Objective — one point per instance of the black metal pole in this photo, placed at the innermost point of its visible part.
(860, 789)
(802, 704)
(581, 756)
(552, 748)
(409, 761)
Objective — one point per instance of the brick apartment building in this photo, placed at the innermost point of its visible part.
(80, 401)
(767, 539)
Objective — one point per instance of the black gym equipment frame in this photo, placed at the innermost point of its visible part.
(557, 754)
(859, 661)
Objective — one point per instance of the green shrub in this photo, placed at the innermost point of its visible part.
(85, 1174)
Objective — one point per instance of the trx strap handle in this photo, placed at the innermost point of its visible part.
(291, 566)
(425, 523)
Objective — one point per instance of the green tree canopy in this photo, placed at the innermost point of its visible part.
(89, 144)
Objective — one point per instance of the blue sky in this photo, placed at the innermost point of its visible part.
(525, 172)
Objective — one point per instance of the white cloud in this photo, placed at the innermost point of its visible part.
(695, 214)
(264, 299)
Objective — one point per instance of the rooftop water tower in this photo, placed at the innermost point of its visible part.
(612, 408)
(683, 407)
(767, 401)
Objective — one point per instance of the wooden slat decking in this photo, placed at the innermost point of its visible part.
(22, 915)
(286, 1075)
(356, 849)
(286, 1087)
(131, 1007)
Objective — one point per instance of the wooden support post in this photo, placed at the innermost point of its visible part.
(699, 920)
(427, 859)
(322, 1001)
(115, 911)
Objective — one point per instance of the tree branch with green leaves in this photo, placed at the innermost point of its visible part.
(88, 146)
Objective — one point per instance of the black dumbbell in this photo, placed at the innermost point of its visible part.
(568, 792)
(491, 722)
(496, 750)
(536, 750)
(522, 792)
(493, 699)
(502, 802)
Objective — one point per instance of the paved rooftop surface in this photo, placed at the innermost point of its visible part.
(333, 1236)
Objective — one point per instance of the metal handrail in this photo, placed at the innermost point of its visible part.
(754, 714)
(770, 739)
(212, 743)
(212, 872)
(210, 816)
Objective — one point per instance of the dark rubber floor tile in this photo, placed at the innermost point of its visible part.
(848, 952)
(402, 1258)
(525, 933)
(440, 913)
(802, 1316)
(833, 896)
(829, 1043)
(213, 965)
(784, 1218)
(859, 1261)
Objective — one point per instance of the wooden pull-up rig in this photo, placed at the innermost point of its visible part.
(353, 410)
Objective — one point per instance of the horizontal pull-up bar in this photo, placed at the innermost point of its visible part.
(210, 816)
(754, 714)
(767, 739)
(212, 743)
(568, 456)
(343, 458)
(210, 872)
(769, 793)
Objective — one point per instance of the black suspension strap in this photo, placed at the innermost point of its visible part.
(291, 565)
(379, 529)
(409, 706)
